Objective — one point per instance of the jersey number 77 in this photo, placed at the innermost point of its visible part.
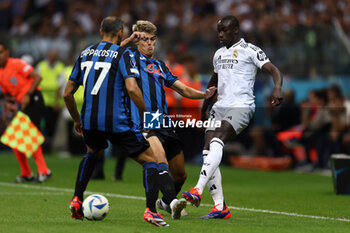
(98, 65)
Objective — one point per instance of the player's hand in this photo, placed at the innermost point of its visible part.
(276, 96)
(134, 38)
(25, 102)
(78, 129)
(209, 92)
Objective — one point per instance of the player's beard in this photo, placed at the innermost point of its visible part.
(119, 39)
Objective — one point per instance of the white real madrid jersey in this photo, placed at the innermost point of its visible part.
(236, 68)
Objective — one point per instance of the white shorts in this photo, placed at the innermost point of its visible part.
(238, 117)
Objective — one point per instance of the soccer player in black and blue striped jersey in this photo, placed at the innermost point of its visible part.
(167, 147)
(109, 82)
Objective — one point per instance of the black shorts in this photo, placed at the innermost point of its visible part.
(171, 143)
(35, 109)
(131, 143)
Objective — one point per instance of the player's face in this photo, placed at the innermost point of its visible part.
(147, 44)
(4, 54)
(227, 33)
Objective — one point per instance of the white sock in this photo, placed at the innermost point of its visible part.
(215, 189)
(210, 163)
(172, 203)
(163, 203)
(214, 185)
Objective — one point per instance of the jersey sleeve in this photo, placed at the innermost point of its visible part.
(169, 77)
(128, 66)
(24, 68)
(258, 56)
(76, 72)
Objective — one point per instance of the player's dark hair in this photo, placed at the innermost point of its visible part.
(111, 25)
(234, 21)
(5, 44)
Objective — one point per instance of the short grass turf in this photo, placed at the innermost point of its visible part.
(43, 207)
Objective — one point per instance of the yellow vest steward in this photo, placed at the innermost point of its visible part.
(79, 94)
(49, 83)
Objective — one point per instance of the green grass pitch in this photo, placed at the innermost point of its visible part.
(260, 202)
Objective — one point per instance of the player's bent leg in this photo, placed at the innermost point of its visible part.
(177, 171)
(166, 184)
(169, 201)
(158, 150)
(212, 162)
(179, 175)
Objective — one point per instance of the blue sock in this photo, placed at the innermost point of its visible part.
(85, 170)
(151, 184)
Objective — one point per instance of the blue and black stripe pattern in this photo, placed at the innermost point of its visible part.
(102, 70)
(154, 75)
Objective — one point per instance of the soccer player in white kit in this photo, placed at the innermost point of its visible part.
(235, 67)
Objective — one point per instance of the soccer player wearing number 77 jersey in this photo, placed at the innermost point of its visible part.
(109, 86)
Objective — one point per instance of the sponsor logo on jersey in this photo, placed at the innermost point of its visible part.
(151, 68)
(261, 56)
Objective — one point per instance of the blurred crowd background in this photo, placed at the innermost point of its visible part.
(298, 35)
(308, 40)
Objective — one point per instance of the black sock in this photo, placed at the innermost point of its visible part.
(85, 170)
(151, 184)
(178, 187)
(166, 185)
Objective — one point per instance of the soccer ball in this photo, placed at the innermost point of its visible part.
(95, 207)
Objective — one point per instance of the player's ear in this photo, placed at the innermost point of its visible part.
(120, 33)
(101, 32)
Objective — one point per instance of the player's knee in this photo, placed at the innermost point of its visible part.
(146, 156)
(160, 158)
(97, 154)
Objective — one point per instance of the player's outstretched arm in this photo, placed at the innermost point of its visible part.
(135, 93)
(71, 88)
(276, 96)
(190, 92)
(213, 82)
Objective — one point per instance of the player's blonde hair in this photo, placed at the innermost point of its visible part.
(144, 26)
